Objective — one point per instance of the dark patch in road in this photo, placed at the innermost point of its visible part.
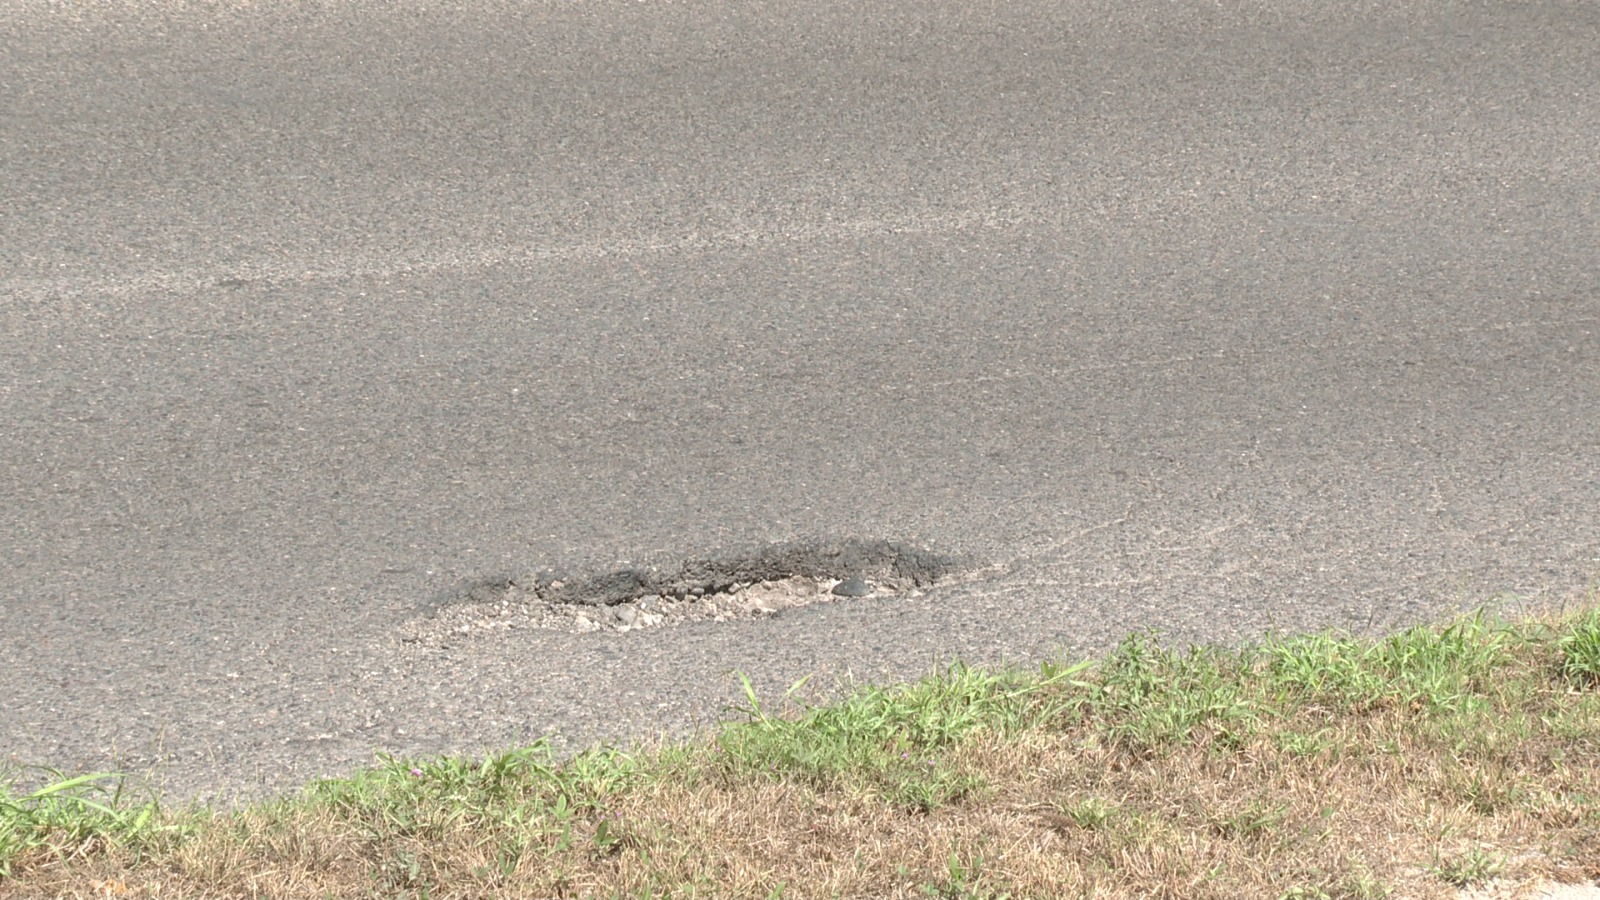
(843, 559)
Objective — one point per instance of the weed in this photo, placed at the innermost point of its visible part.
(1469, 868)
(1580, 650)
(963, 880)
(1090, 813)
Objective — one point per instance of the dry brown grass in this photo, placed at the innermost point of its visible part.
(1062, 794)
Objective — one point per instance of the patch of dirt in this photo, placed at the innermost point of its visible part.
(1546, 891)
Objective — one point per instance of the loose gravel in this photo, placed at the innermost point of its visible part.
(514, 608)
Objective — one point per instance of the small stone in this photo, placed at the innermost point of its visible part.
(627, 614)
(852, 587)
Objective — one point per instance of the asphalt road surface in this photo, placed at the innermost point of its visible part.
(1213, 317)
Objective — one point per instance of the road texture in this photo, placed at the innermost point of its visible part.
(1212, 317)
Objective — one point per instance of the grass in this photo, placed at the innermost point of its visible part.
(1306, 767)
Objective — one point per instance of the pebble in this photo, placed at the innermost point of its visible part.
(852, 587)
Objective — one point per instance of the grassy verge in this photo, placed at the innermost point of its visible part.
(1306, 767)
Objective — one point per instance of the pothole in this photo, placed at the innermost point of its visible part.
(729, 587)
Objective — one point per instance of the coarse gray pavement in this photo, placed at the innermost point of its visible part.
(1206, 316)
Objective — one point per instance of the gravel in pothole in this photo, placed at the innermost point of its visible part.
(515, 609)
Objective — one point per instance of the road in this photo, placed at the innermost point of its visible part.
(1207, 317)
